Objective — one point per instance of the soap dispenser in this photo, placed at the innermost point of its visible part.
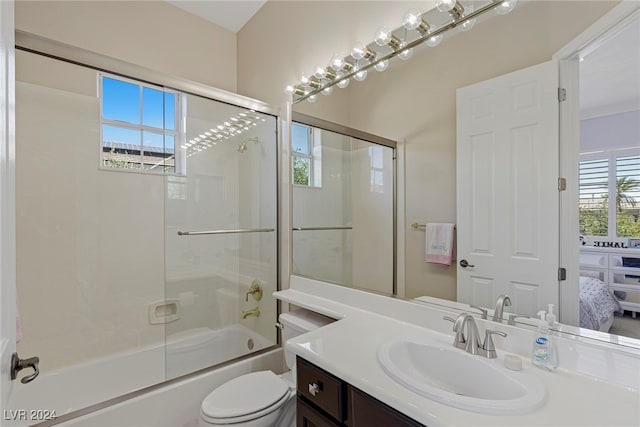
(551, 318)
(543, 352)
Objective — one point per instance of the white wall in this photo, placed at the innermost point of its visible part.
(413, 100)
(615, 131)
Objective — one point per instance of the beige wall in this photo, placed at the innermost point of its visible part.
(412, 100)
(153, 34)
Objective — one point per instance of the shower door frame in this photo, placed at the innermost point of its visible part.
(31, 43)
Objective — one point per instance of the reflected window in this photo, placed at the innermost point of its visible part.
(610, 194)
(306, 155)
(139, 127)
(376, 156)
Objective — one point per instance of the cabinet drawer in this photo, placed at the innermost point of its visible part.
(322, 389)
(306, 416)
(367, 411)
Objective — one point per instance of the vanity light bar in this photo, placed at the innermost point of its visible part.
(341, 70)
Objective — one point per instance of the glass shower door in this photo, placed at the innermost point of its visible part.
(220, 237)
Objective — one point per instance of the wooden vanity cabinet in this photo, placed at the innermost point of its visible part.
(326, 401)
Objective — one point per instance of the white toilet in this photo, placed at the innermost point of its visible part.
(261, 399)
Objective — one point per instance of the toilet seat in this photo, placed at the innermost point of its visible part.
(246, 398)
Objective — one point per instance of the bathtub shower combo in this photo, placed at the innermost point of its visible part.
(146, 229)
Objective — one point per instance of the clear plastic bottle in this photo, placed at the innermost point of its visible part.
(543, 352)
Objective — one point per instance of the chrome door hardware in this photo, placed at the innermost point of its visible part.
(18, 364)
(464, 263)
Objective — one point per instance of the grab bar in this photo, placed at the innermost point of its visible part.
(242, 230)
(320, 228)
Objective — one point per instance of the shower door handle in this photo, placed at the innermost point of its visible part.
(18, 364)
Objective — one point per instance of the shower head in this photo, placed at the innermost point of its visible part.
(243, 145)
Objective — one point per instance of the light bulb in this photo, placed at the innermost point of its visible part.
(289, 89)
(445, 5)
(312, 98)
(319, 72)
(505, 7)
(434, 41)
(304, 80)
(405, 53)
(469, 23)
(411, 19)
(342, 83)
(360, 75)
(327, 90)
(383, 36)
(358, 51)
(381, 66)
(337, 62)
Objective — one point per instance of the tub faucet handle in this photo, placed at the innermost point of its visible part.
(255, 290)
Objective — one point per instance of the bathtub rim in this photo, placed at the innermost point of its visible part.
(153, 388)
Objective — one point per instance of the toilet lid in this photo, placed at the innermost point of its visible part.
(245, 395)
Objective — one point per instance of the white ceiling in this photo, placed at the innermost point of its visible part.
(231, 15)
(610, 75)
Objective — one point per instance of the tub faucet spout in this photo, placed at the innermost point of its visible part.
(254, 312)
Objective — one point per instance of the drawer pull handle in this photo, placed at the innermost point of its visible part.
(315, 388)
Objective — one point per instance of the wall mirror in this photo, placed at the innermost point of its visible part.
(343, 201)
(415, 102)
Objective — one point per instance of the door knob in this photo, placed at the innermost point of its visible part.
(18, 364)
(464, 263)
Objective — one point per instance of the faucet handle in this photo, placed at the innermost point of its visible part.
(513, 317)
(482, 310)
(488, 343)
(460, 339)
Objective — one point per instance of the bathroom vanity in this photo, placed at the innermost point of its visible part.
(325, 400)
(342, 375)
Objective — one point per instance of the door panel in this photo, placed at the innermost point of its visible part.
(508, 214)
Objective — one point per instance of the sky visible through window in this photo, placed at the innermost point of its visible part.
(121, 103)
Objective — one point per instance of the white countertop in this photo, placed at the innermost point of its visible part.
(348, 349)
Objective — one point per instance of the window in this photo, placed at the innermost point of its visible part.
(376, 155)
(610, 194)
(306, 155)
(139, 126)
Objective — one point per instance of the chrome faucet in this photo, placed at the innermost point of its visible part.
(502, 302)
(470, 342)
(254, 312)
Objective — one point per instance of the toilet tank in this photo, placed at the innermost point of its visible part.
(297, 323)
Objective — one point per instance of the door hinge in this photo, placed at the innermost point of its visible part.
(562, 274)
(562, 94)
(562, 184)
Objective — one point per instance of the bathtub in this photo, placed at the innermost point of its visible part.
(73, 388)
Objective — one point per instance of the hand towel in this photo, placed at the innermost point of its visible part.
(440, 242)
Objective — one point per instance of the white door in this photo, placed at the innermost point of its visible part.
(507, 189)
(7, 201)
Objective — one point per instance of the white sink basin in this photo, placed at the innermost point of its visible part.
(453, 377)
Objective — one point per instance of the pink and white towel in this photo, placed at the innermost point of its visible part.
(440, 243)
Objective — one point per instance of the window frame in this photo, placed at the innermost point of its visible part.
(179, 164)
(313, 144)
(610, 155)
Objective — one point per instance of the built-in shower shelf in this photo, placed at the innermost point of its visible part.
(164, 311)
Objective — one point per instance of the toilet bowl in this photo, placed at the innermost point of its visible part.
(261, 399)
